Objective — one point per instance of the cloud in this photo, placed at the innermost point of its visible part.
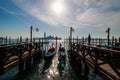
(11, 12)
(96, 13)
(16, 14)
(78, 13)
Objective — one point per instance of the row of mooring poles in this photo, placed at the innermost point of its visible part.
(80, 65)
(31, 58)
(6, 40)
(21, 62)
(28, 61)
(96, 59)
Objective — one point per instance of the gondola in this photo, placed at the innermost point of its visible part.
(61, 58)
(48, 56)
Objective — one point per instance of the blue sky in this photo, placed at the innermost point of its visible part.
(85, 16)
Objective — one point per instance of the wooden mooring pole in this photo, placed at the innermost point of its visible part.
(1, 60)
(28, 60)
(56, 43)
(21, 64)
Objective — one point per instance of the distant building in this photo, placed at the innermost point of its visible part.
(2, 40)
(49, 38)
(52, 37)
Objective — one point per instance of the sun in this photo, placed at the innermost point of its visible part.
(57, 7)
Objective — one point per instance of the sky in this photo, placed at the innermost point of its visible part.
(55, 17)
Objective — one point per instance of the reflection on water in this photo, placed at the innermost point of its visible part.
(51, 72)
(48, 71)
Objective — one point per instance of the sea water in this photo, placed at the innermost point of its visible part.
(50, 73)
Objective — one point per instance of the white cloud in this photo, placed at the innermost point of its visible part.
(11, 12)
(78, 13)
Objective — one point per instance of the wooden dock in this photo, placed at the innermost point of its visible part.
(23, 54)
(104, 62)
(105, 68)
(19, 54)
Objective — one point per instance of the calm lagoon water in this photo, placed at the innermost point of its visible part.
(43, 71)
